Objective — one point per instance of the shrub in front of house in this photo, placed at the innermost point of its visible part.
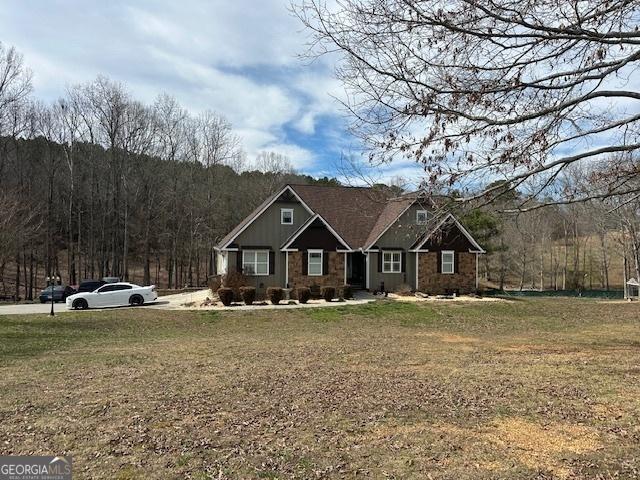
(226, 296)
(248, 295)
(234, 281)
(303, 294)
(316, 291)
(328, 293)
(275, 295)
(347, 292)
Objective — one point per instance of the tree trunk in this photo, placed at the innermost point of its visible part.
(503, 267)
(25, 275)
(71, 267)
(30, 296)
(566, 257)
(17, 259)
(542, 265)
(523, 269)
(147, 271)
(125, 247)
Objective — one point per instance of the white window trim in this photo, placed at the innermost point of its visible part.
(426, 214)
(309, 252)
(452, 262)
(255, 264)
(391, 252)
(282, 212)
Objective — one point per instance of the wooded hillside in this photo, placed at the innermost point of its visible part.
(99, 184)
(116, 213)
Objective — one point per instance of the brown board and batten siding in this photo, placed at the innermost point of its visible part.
(267, 233)
(317, 236)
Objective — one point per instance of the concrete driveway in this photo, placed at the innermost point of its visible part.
(181, 301)
(31, 308)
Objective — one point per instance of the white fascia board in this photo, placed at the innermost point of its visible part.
(468, 235)
(273, 200)
(446, 217)
(344, 243)
(464, 231)
(298, 232)
(326, 224)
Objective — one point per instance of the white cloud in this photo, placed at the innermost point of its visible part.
(256, 141)
(237, 58)
(324, 93)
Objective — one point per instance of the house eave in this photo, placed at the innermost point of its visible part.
(264, 208)
(306, 224)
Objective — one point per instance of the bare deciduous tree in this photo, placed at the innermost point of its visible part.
(504, 89)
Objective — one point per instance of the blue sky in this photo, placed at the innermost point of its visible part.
(239, 58)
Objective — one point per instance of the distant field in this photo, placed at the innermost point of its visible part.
(589, 264)
(536, 388)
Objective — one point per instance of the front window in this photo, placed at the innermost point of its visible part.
(315, 263)
(391, 262)
(448, 261)
(422, 216)
(255, 262)
(286, 216)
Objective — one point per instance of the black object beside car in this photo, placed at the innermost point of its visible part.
(90, 285)
(60, 293)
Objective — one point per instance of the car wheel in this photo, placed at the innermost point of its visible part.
(136, 300)
(80, 304)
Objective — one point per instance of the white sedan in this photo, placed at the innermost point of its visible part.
(113, 295)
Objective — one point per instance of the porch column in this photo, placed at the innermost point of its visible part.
(345, 268)
(286, 269)
(417, 277)
(367, 264)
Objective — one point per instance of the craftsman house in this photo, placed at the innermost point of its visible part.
(308, 235)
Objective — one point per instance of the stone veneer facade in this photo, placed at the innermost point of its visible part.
(335, 277)
(432, 282)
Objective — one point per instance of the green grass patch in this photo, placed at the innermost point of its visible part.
(482, 390)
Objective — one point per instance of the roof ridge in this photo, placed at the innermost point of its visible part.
(328, 186)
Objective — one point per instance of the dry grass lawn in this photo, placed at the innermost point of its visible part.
(540, 388)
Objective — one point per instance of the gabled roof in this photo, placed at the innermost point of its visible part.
(351, 211)
(305, 225)
(437, 224)
(356, 216)
(248, 220)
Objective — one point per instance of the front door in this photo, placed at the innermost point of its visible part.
(356, 269)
